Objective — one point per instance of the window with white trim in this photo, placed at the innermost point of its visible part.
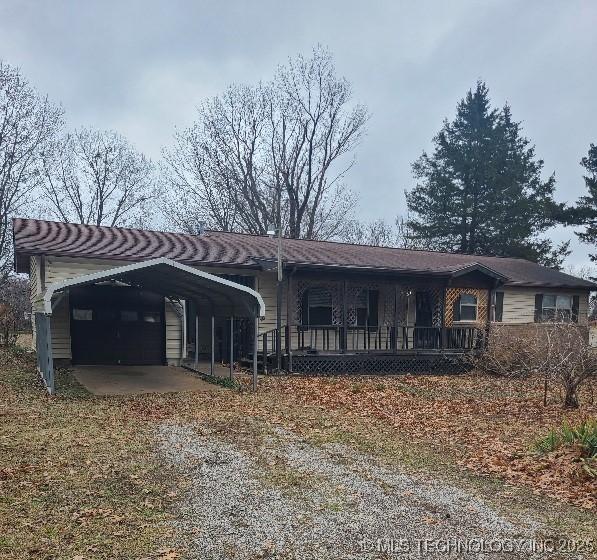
(468, 307)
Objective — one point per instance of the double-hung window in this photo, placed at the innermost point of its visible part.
(468, 307)
(556, 307)
(317, 307)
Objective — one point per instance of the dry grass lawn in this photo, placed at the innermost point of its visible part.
(79, 476)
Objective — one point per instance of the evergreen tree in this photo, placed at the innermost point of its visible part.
(481, 191)
(585, 212)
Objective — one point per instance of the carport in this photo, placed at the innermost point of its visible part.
(218, 297)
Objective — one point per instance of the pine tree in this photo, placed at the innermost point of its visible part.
(585, 212)
(481, 191)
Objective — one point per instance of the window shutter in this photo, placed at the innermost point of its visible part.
(575, 303)
(373, 318)
(499, 306)
(456, 310)
(305, 308)
(538, 307)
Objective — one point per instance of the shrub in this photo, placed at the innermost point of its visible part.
(558, 351)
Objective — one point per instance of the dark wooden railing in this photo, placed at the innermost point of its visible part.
(382, 339)
(333, 338)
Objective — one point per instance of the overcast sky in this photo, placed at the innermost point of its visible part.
(142, 67)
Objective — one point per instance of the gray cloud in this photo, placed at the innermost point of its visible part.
(141, 67)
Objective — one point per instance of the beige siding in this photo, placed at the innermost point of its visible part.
(34, 291)
(519, 305)
(266, 286)
(60, 326)
(62, 268)
(173, 316)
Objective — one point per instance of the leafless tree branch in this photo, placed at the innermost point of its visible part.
(251, 145)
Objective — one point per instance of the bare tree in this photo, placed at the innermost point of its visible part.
(214, 172)
(96, 177)
(286, 143)
(558, 351)
(15, 309)
(27, 123)
(380, 233)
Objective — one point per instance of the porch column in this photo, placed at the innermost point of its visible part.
(345, 316)
(396, 318)
(289, 312)
(231, 347)
(184, 330)
(196, 338)
(255, 348)
(213, 345)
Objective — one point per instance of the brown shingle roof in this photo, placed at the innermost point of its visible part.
(33, 237)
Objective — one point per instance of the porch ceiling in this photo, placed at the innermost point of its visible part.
(174, 280)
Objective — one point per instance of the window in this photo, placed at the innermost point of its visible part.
(556, 307)
(468, 307)
(366, 307)
(129, 316)
(151, 317)
(317, 307)
(82, 314)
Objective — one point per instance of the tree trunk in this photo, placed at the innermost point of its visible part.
(571, 397)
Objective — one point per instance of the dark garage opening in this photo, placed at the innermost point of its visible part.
(117, 325)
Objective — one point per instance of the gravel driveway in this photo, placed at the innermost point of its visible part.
(290, 499)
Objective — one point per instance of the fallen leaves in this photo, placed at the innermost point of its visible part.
(486, 424)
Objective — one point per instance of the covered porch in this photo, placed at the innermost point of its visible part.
(375, 323)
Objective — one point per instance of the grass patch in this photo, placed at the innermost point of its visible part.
(583, 435)
(276, 471)
(78, 476)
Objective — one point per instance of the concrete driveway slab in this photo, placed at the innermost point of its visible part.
(133, 380)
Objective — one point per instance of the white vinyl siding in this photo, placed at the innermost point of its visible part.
(519, 304)
(60, 326)
(173, 314)
(266, 286)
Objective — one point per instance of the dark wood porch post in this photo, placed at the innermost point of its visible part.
(490, 315)
(196, 338)
(255, 349)
(213, 345)
(396, 318)
(289, 312)
(231, 347)
(345, 316)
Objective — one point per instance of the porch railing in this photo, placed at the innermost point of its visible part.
(333, 338)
